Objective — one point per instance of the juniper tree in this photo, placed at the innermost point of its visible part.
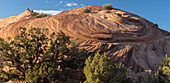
(162, 75)
(101, 69)
(36, 55)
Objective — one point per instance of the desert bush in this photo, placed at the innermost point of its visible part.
(101, 69)
(107, 6)
(34, 13)
(86, 10)
(36, 55)
(37, 15)
(40, 15)
(162, 75)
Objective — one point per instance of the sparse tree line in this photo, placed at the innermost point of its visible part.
(35, 56)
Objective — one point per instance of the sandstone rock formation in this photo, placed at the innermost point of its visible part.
(125, 37)
(6, 21)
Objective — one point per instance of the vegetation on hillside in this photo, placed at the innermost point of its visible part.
(101, 69)
(86, 10)
(37, 15)
(163, 73)
(37, 56)
(107, 6)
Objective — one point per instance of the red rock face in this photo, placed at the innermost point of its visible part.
(125, 37)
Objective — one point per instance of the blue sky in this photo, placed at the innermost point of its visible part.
(156, 11)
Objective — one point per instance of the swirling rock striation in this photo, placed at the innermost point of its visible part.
(125, 37)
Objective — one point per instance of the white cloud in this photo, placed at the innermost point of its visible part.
(61, 2)
(51, 12)
(164, 26)
(81, 5)
(71, 4)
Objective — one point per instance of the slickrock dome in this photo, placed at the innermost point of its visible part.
(125, 37)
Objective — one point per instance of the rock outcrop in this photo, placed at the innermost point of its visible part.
(6, 21)
(125, 37)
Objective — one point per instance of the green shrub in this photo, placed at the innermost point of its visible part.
(101, 69)
(107, 7)
(36, 55)
(40, 15)
(34, 14)
(86, 10)
(163, 73)
(37, 15)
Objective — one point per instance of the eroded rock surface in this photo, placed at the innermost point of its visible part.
(125, 37)
(6, 21)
